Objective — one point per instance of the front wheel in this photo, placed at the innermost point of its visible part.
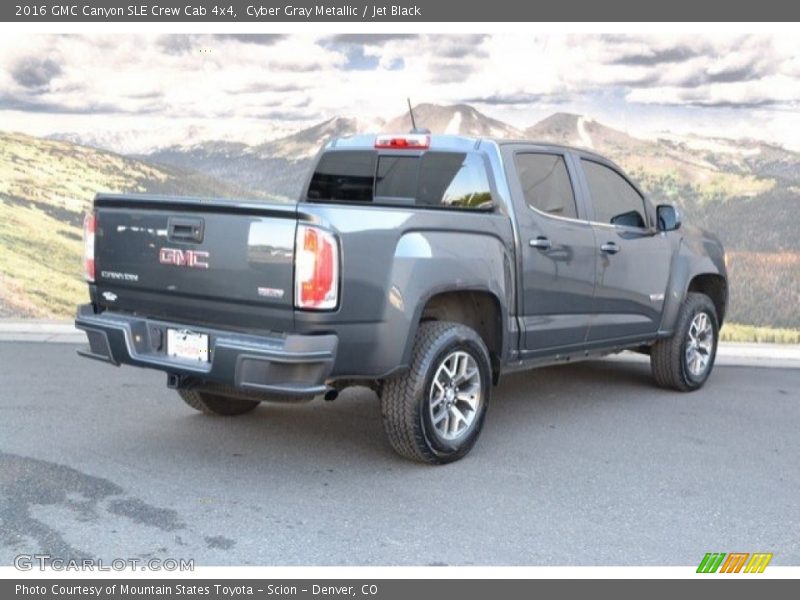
(435, 411)
(684, 361)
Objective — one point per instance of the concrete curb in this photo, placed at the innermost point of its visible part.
(729, 353)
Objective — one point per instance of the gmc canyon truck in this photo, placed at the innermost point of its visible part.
(422, 266)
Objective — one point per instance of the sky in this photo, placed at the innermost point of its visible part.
(137, 92)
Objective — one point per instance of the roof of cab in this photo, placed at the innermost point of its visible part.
(452, 142)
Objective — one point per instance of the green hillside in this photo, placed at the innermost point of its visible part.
(754, 208)
(45, 188)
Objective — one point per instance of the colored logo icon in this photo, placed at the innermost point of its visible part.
(734, 562)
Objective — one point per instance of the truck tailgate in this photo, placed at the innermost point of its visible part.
(213, 260)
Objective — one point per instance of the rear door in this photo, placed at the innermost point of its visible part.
(633, 260)
(558, 250)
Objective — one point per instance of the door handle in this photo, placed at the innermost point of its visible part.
(541, 243)
(610, 248)
(185, 229)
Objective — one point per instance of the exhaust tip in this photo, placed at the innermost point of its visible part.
(331, 395)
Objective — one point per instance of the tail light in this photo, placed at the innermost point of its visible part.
(316, 269)
(89, 226)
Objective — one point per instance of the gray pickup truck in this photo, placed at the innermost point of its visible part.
(422, 266)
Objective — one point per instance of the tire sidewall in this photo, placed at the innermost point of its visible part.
(693, 381)
(448, 450)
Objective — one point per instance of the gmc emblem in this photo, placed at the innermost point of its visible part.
(196, 259)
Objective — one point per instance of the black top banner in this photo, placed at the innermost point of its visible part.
(266, 11)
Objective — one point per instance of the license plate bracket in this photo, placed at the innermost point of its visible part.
(187, 345)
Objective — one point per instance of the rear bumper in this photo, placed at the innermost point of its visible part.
(283, 364)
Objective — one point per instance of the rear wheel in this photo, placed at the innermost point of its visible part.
(684, 361)
(435, 411)
(216, 404)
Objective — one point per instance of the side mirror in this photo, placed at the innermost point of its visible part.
(668, 217)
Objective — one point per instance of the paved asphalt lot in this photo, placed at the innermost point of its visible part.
(587, 464)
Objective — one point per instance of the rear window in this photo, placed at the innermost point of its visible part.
(435, 179)
(397, 177)
(345, 176)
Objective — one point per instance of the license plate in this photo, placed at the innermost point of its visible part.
(187, 345)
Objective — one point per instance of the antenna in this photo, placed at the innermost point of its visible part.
(411, 112)
(414, 128)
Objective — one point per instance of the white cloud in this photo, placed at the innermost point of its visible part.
(246, 88)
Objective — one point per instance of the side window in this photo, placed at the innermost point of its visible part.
(546, 185)
(615, 200)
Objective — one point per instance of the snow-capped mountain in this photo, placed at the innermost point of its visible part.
(457, 119)
(577, 130)
(275, 168)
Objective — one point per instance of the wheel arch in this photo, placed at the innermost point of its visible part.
(477, 308)
(715, 287)
(694, 271)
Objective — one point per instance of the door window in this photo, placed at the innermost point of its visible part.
(615, 200)
(546, 184)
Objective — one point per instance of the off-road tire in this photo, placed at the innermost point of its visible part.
(404, 399)
(214, 404)
(668, 356)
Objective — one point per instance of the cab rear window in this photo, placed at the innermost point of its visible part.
(344, 176)
(434, 179)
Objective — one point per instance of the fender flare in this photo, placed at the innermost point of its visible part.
(445, 289)
(687, 264)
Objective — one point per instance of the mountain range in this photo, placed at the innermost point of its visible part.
(713, 168)
(746, 190)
